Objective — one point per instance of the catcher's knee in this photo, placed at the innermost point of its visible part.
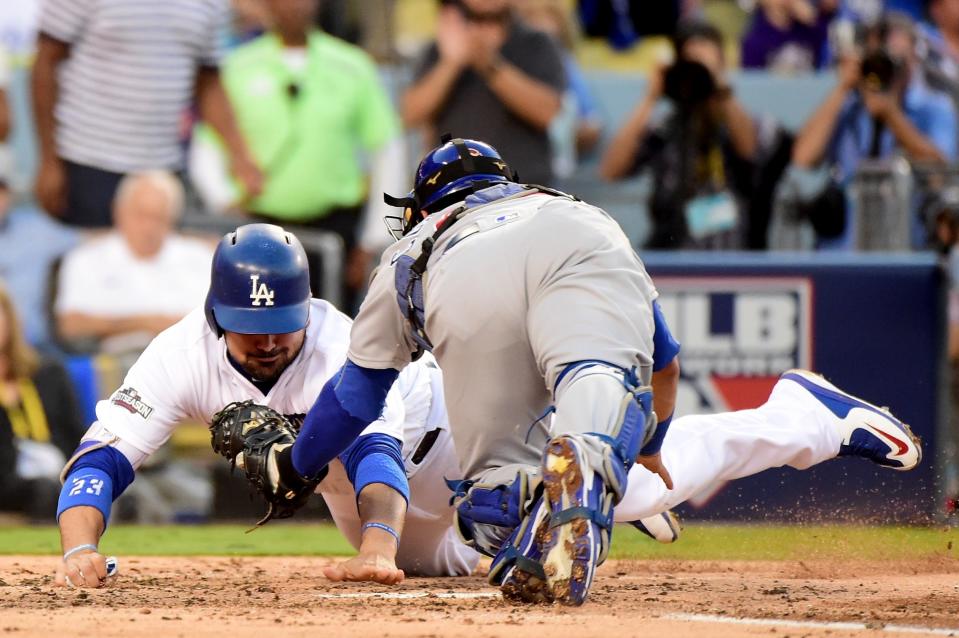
(485, 514)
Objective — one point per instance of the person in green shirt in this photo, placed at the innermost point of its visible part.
(322, 129)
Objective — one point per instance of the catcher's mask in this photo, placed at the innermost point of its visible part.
(448, 173)
(259, 282)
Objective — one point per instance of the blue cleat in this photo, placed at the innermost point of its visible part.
(867, 431)
(664, 527)
(580, 521)
(516, 569)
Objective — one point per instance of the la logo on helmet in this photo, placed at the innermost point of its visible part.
(260, 293)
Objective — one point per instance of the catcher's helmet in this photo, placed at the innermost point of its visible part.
(260, 282)
(447, 174)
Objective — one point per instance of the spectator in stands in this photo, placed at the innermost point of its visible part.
(700, 152)
(624, 23)
(577, 128)
(31, 244)
(488, 76)
(788, 36)
(121, 289)
(944, 18)
(879, 106)
(310, 107)
(939, 46)
(39, 422)
(111, 81)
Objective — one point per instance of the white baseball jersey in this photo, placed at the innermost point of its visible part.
(184, 374)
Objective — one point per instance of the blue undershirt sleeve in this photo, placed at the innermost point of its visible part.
(376, 458)
(665, 346)
(96, 479)
(352, 399)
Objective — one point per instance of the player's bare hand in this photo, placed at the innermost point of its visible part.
(83, 569)
(654, 463)
(366, 568)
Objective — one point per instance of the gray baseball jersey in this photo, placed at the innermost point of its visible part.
(514, 291)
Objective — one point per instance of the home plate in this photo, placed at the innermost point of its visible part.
(403, 595)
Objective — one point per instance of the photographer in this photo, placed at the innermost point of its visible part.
(488, 76)
(879, 105)
(701, 152)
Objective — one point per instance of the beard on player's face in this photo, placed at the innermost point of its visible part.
(264, 357)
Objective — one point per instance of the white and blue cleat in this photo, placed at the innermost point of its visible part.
(867, 431)
(663, 527)
(580, 522)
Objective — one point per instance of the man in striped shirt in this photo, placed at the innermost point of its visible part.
(111, 83)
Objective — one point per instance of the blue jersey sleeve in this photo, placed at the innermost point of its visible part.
(665, 346)
(376, 458)
(352, 399)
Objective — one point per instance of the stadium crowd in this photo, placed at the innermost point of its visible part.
(133, 132)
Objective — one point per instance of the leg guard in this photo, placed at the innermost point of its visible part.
(602, 418)
(487, 513)
(611, 415)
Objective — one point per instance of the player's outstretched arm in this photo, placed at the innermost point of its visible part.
(94, 477)
(382, 510)
(374, 465)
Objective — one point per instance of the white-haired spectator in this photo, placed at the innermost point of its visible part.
(111, 82)
(140, 278)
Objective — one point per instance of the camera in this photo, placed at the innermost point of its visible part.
(688, 84)
(879, 70)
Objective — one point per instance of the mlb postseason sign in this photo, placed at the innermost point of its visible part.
(873, 324)
(738, 334)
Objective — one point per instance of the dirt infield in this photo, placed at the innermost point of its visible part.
(257, 597)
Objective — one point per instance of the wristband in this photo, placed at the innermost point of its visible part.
(386, 528)
(79, 548)
(88, 486)
(655, 443)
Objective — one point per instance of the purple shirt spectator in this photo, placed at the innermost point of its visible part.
(799, 47)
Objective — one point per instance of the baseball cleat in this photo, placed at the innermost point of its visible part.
(517, 568)
(664, 527)
(580, 521)
(867, 431)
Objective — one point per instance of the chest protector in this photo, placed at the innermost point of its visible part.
(410, 271)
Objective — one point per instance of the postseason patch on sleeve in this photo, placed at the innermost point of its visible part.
(129, 399)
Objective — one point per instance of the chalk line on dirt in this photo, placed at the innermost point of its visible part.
(777, 622)
(403, 595)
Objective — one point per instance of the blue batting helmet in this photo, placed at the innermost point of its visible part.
(449, 173)
(260, 282)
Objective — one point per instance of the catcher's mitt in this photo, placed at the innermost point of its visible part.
(260, 440)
